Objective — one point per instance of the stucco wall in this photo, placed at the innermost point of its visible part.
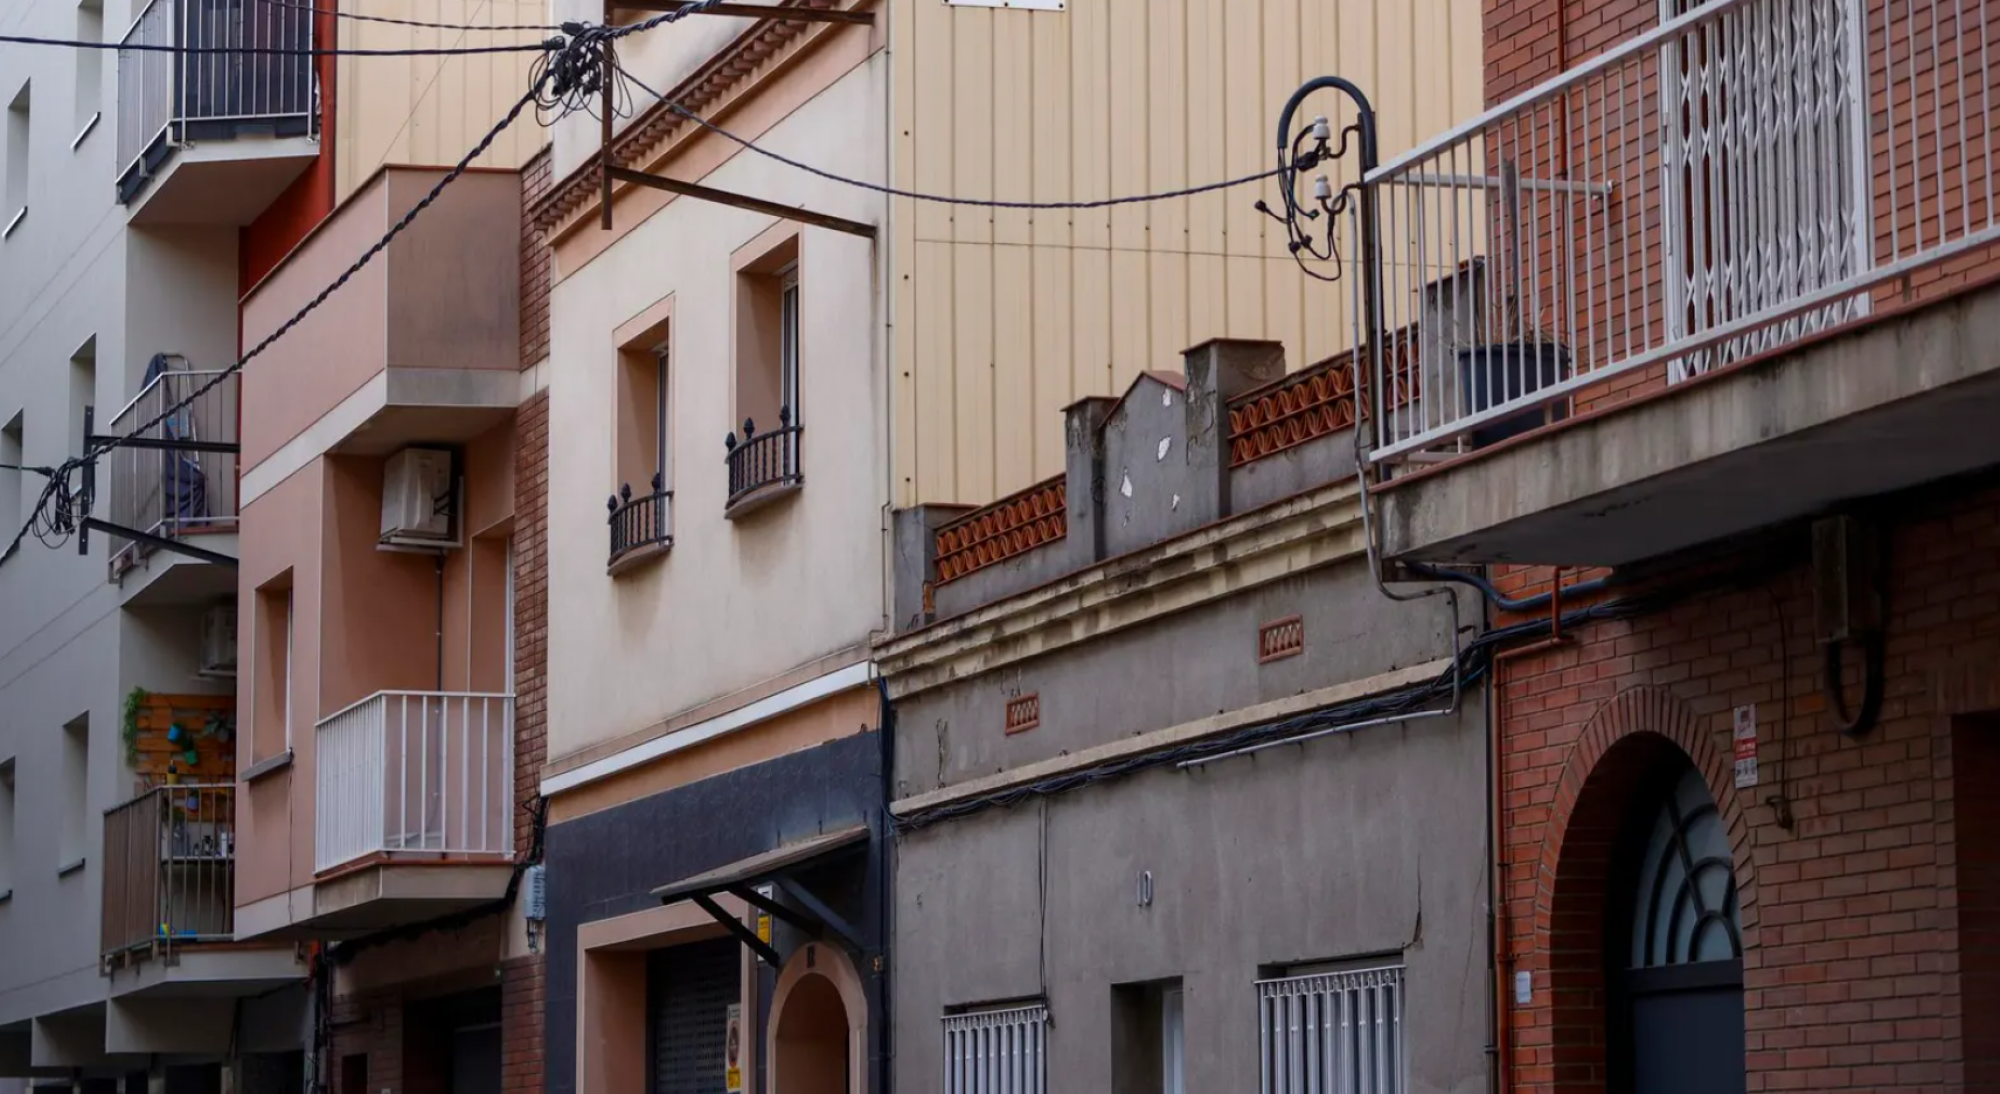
(735, 602)
(1369, 844)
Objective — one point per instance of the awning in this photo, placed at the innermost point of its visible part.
(806, 911)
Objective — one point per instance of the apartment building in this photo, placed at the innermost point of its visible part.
(1184, 801)
(752, 367)
(152, 199)
(1720, 368)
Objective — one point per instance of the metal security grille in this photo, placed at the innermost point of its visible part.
(688, 993)
(1332, 1033)
(997, 1051)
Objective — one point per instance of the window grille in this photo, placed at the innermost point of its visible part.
(997, 1051)
(1340, 1032)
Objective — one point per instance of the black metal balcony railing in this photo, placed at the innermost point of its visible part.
(169, 872)
(761, 461)
(166, 99)
(640, 522)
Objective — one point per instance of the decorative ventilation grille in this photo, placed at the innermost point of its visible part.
(1305, 407)
(1025, 713)
(1013, 525)
(1281, 638)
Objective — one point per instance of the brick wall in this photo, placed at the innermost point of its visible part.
(521, 1032)
(537, 178)
(1852, 917)
(368, 1033)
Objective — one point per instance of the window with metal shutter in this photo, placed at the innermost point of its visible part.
(997, 1051)
(689, 990)
(1333, 1031)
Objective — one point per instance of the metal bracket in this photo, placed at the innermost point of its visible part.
(161, 542)
(776, 910)
(735, 926)
(826, 915)
(740, 201)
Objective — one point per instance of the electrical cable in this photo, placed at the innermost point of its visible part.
(355, 16)
(279, 51)
(941, 199)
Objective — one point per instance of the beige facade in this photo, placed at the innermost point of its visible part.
(1004, 317)
(429, 110)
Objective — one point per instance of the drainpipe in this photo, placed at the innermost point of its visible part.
(1496, 791)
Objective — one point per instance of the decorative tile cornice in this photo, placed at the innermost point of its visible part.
(1011, 526)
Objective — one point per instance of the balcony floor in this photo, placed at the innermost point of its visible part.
(365, 899)
(223, 182)
(228, 970)
(1889, 404)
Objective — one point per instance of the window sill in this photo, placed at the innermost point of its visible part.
(268, 766)
(638, 558)
(14, 222)
(68, 868)
(88, 128)
(761, 498)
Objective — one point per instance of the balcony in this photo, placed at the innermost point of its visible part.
(212, 137)
(641, 527)
(407, 781)
(177, 484)
(1724, 274)
(763, 466)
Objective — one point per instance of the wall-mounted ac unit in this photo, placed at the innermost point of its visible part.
(218, 641)
(419, 500)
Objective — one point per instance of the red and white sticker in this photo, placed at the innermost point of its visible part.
(1746, 746)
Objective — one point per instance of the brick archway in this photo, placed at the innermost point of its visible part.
(1628, 738)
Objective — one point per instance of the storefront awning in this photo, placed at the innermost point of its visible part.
(805, 911)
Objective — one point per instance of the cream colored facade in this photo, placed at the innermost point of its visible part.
(429, 110)
(1004, 317)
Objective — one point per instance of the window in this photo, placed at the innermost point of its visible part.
(272, 670)
(763, 441)
(1146, 1038)
(6, 829)
(13, 453)
(76, 792)
(1335, 1029)
(997, 1049)
(15, 206)
(641, 525)
(82, 389)
(89, 69)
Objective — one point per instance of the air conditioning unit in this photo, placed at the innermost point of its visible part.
(218, 641)
(419, 500)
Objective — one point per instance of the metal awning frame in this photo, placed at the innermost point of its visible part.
(779, 867)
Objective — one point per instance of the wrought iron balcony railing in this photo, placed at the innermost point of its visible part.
(641, 522)
(760, 462)
(178, 477)
(1739, 177)
(169, 872)
(168, 99)
(415, 774)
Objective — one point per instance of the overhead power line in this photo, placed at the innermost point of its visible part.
(281, 51)
(943, 199)
(355, 16)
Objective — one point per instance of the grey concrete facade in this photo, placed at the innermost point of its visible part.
(1077, 863)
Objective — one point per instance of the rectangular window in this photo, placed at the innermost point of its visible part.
(272, 670)
(788, 345)
(1343, 1029)
(89, 69)
(997, 1049)
(770, 346)
(1172, 1039)
(76, 792)
(13, 453)
(82, 390)
(19, 125)
(7, 828)
(643, 420)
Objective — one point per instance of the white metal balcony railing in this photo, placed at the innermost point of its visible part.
(1743, 175)
(165, 98)
(426, 774)
(179, 491)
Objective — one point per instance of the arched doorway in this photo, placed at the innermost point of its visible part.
(1673, 941)
(819, 1025)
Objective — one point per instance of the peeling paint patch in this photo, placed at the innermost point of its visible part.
(1175, 504)
(1125, 487)
(1167, 397)
(1166, 445)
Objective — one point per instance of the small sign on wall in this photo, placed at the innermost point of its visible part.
(733, 1061)
(1746, 746)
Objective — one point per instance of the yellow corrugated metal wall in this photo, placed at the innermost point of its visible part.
(428, 110)
(1004, 317)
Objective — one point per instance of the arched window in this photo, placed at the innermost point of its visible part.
(1684, 910)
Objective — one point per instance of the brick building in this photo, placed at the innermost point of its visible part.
(1720, 375)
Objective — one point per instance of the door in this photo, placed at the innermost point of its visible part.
(475, 1060)
(1676, 950)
